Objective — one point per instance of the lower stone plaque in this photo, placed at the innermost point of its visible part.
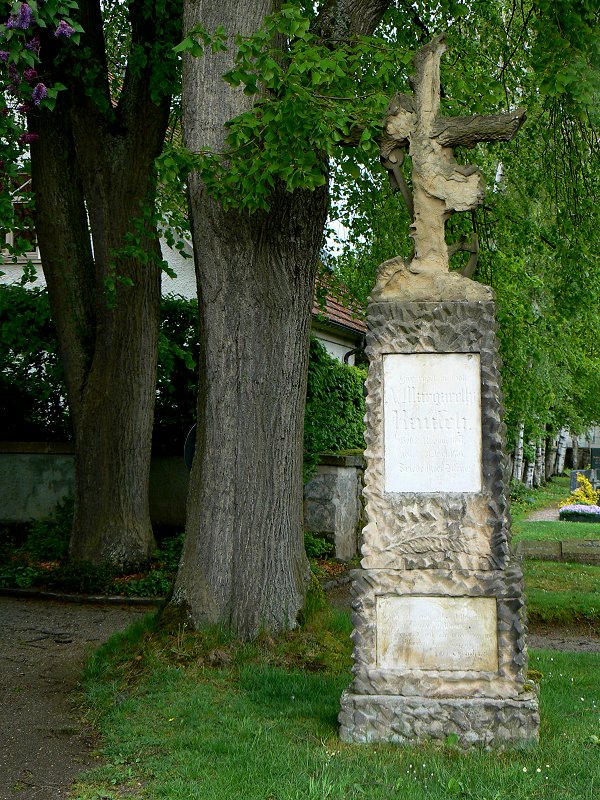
(437, 633)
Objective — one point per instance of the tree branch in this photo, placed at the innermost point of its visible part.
(338, 20)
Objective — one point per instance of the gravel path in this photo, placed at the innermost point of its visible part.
(543, 515)
(44, 742)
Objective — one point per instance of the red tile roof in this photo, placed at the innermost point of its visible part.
(333, 311)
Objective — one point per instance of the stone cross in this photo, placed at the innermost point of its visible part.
(441, 185)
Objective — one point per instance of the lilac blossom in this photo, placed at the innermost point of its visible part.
(64, 29)
(22, 19)
(38, 94)
(4, 54)
(13, 74)
(33, 45)
(30, 74)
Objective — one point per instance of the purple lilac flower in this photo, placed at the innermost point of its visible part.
(64, 29)
(33, 45)
(30, 74)
(38, 94)
(4, 54)
(28, 138)
(22, 19)
(13, 74)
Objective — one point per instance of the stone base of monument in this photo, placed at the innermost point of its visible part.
(439, 612)
(480, 721)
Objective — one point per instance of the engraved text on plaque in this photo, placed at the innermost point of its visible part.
(432, 422)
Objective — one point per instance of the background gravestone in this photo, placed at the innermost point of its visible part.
(439, 611)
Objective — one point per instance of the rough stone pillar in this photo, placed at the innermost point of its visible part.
(439, 620)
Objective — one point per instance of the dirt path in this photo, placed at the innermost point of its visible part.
(543, 515)
(43, 740)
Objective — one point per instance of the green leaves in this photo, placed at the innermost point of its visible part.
(310, 97)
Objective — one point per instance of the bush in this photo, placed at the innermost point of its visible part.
(32, 390)
(316, 546)
(584, 495)
(335, 407)
(81, 577)
(48, 539)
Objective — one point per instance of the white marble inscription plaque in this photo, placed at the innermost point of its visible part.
(437, 633)
(432, 422)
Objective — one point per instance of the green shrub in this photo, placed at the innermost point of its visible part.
(316, 546)
(48, 539)
(169, 553)
(18, 574)
(335, 407)
(81, 577)
(156, 584)
(32, 390)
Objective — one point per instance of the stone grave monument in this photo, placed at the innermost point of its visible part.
(439, 621)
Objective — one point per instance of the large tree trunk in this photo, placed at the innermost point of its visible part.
(243, 563)
(92, 173)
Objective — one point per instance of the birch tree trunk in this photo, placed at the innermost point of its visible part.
(575, 441)
(550, 444)
(539, 464)
(519, 461)
(530, 467)
(561, 451)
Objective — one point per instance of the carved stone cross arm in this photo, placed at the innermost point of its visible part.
(441, 185)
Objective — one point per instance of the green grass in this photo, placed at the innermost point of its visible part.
(551, 494)
(259, 728)
(527, 531)
(562, 593)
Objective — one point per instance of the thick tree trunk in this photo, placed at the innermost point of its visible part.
(92, 173)
(243, 563)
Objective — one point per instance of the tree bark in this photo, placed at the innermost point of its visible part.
(92, 173)
(539, 466)
(243, 564)
(551, 445)
(561, 451)
(575, 440)
(519, 461)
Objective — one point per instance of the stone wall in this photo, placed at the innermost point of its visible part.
(332, 503)
(35, 476)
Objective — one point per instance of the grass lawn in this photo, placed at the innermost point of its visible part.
(562, 593)
(262, 726)
(526, 531)
(551, 494)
